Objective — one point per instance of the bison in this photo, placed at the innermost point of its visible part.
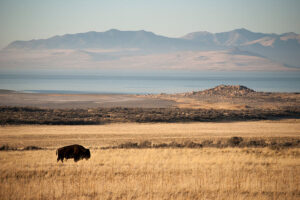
(75, 151)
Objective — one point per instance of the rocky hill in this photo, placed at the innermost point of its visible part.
(233, 97)
(225, 90)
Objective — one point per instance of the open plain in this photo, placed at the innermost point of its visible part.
(153, 172)
(226, 97)
(150, 100)
(222, 103)
(228, 142)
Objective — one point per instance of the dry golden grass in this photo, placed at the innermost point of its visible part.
(185, 102)
(207, 173)
(113, 134)
(153, 174)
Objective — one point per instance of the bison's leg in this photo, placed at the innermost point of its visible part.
(60, 157)
(76, 158)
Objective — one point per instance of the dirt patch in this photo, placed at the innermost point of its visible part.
(84, 101)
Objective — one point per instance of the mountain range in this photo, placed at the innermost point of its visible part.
(238, 48)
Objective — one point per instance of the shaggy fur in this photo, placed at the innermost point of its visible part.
(75, 151)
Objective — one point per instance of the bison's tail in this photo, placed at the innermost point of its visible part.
(56, 152)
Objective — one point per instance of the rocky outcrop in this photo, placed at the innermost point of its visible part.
(225, 90)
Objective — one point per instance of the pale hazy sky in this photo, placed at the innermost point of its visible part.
(35, 19)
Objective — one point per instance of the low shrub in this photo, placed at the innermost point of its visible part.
(128, 145)
(256, 143)
(234, 141)
(162, 145)
(191, 144)
(287, 144)
(175, 145)
(7, 148)
(207, 143)
(27, 115)
(145, 144)
(32, 148)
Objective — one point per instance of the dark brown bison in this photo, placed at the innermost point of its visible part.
(75, 151)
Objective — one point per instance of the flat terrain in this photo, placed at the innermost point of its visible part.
(228, 142)
(152, 173)
(206, 173)
(234, 97)
(222, 103)
(97, 136)
(8, 98)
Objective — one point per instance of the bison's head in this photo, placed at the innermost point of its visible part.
(87, 154)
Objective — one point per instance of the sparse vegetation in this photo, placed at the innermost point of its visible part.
(234, 141)
(7, 148)
(220, 143)
(205, 173)
(153, 161)
(26, 115)
(27, 148)
(32, 148)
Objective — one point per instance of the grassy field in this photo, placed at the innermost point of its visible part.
(163, 173)
(112, 134)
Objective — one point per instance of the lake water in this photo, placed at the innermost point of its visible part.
(142, 82)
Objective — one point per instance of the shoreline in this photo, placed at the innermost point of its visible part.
(222, 103)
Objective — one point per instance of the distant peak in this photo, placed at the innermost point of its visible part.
(113, 30)
(290, 34)
(92, 32)
(201, 32)
(242, 30)
(194, 35)
(147, 32)
(138, 31)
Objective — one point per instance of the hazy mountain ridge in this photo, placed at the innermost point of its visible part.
(143, 39)
(238, 48)
(105, 40)
(232, 38)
